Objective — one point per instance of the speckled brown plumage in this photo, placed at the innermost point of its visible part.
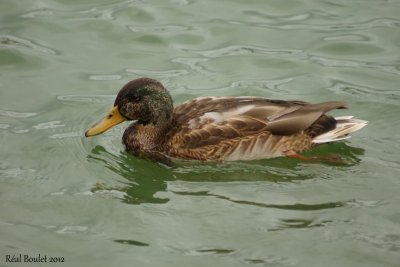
(254, 127)
(224, 128)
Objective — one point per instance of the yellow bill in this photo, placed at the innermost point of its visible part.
(111, 119)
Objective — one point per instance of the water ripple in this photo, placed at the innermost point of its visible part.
(320, 14)
(234, 50)
(182, 2)
(75, 229)
(213, 251)
(271, 85)
(159, 73)
(329, 27)
(297, 54)
(87, 98)
(356, 203)
(48, 125)
(99, 12)
(347, 38)
(358, 26)
(380, 95)
(66, 135)
(389, 242)
(165, 28)
(9, 41)
(296, 206)
(17, 173)
(193, 63)
(331, 62)
(105, 77)
(15, 114)
(131, 242)
(300, 223)
(4, 126)
(270, 261)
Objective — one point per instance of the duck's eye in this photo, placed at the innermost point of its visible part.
(132, 97)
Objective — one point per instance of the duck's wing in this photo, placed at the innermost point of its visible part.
(211, 120)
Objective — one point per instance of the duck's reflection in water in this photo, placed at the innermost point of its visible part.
(144, 178)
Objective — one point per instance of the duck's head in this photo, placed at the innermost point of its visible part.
(145, 100)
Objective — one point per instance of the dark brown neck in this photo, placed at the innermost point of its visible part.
(146, 137)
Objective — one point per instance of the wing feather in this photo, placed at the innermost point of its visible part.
(211, 121)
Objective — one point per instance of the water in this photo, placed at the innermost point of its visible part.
(86, 200)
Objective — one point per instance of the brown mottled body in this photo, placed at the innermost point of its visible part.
(230, 128)
(263, 145)
(220, 128)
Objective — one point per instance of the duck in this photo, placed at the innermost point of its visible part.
(220, 128)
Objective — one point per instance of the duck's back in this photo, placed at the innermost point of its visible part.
(234, 128)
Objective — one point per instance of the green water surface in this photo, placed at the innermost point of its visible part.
(87, 201)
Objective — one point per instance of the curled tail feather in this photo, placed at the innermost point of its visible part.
(344, 127)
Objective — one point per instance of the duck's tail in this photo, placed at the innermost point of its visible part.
(344, 127)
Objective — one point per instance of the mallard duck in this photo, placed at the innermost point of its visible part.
(220, 128)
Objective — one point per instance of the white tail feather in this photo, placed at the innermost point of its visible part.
(344, 127)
